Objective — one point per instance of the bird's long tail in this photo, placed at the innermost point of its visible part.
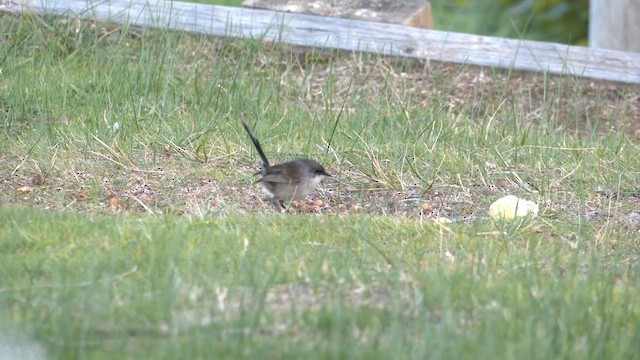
(256, 143)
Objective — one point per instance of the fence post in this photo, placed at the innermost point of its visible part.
(614, 24)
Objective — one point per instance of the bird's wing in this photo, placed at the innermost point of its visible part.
(275, 176)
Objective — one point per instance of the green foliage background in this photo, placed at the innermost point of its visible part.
(563, 21)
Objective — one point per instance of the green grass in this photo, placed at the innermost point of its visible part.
(246, 286)
(150, 241)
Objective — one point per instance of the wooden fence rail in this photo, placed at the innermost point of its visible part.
(350, 35)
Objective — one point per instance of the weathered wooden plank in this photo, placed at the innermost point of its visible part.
(415, 13)
(352, 35)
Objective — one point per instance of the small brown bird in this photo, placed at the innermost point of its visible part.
(288, 181)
